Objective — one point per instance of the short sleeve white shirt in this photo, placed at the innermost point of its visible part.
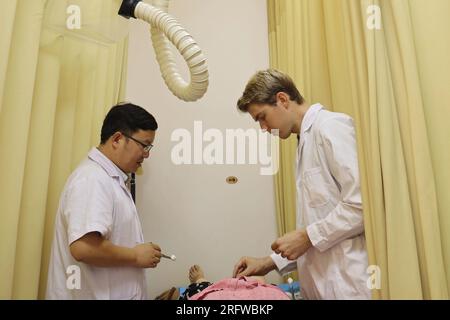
(95, 199)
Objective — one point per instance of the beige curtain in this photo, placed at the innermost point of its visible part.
(394, 81)
(56, 84)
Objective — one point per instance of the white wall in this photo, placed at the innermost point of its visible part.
(190, 210)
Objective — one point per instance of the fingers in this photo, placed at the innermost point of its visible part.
(243, 268)
(282, 253)
(155, 262)
(238, 272)
(156, 255)
(155, 246)
(157, 250)
(279, 248)
(286, 254)
(243, 273)
(276, 247)
(239, 267)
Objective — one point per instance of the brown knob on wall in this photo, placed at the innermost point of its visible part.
(232, 180)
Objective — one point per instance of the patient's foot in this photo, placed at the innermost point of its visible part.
(196, 274)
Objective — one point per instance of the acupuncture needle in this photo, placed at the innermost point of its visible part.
(172, 257)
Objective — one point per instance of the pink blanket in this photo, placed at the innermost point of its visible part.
(240, 289)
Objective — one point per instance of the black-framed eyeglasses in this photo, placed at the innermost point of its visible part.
(146, 147)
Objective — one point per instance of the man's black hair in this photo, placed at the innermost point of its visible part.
(127, 118)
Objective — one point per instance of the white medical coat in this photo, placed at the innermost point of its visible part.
(329, 207)
(95, 198)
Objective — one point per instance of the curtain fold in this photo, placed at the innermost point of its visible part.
(56, 85)
(37, 168)
(14, 128)
(391, 81)
(7, 15)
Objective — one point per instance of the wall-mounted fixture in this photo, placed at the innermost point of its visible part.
(232, 180)
(164, 27)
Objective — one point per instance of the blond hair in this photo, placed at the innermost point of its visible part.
(263, 87)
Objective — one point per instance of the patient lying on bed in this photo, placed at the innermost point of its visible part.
(243, 288)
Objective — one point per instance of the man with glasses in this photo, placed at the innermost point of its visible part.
(145, 147)
(98, 249)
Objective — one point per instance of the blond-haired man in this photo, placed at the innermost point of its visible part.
(328, 248)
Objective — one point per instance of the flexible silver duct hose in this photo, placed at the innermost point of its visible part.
(164, 28)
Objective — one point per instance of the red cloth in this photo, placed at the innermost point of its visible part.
(240, 289)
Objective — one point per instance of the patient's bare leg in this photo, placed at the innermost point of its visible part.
(196, 274)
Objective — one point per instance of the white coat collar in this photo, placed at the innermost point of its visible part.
(109, 166)
(308, 120)
(310, 116)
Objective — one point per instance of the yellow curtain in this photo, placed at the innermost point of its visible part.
(393, 79)
(56, 84)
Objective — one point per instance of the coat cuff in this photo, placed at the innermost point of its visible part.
(315, 236)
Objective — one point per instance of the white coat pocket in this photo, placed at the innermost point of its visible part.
(316, 188)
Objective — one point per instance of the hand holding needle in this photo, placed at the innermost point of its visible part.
(172, 257)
